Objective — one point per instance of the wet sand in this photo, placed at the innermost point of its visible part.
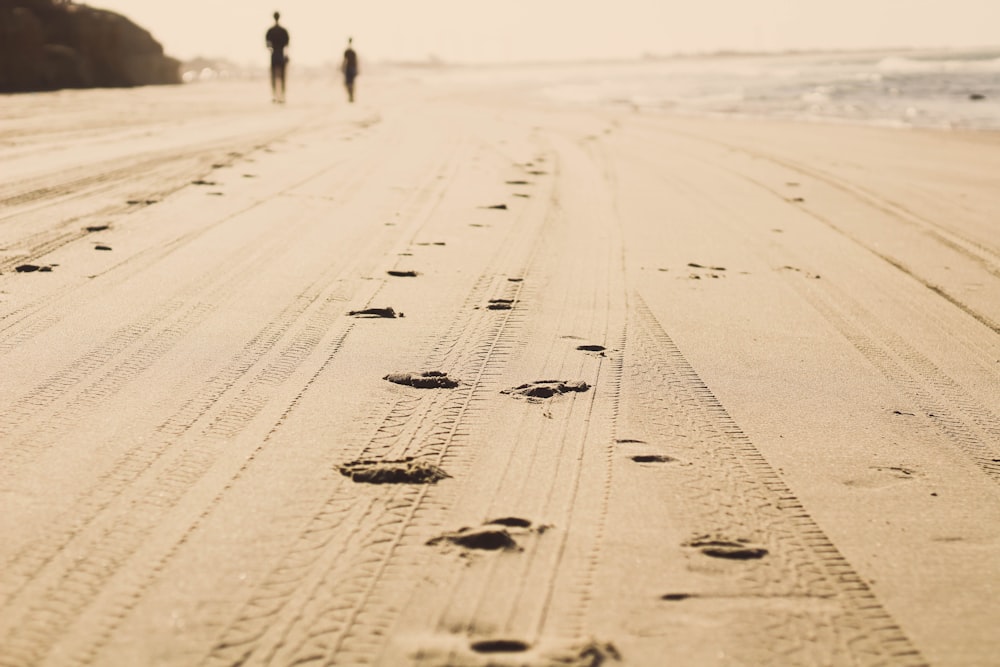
(456, 377)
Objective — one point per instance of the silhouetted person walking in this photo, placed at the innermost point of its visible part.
(350, 68)
(277, 41)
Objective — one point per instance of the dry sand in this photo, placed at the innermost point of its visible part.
(753, 418)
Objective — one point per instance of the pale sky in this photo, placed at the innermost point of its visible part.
(504, 30)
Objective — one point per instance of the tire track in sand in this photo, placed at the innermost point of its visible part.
(973, 427)
(750, 537)
(549, 479)
(332, 597)
(187, 458)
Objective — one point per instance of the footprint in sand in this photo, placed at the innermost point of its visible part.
(500, 304)
(496, 207)
(542, 389)
(878, 477)
(423, 380)
(495, 535)
(590, 653)
(484, 538)
(372, 313)
(653, 458)
(31, 268)
(695, 265)
(811, 276)
(402, 471)
(592, 348)
(518, 182)
(402, 274)
(102, 247)
(96, 228)
(719, 547)
(201, 181)
(709, 271)
(499, 646)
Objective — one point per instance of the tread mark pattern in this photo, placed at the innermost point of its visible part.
(428, 427)
(971, 426)
(78, 586)
(729, 489)
(425, 426)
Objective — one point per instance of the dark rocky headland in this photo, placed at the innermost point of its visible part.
(53, 44)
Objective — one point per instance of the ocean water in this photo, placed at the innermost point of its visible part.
(946, 90)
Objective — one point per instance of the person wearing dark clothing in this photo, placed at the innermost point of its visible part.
(350, 69)
(277, 41)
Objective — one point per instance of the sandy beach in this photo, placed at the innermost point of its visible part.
(456, 376)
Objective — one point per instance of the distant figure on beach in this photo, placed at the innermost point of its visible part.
(277, 41)
(350, 68)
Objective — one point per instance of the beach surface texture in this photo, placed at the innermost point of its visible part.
(454, 377)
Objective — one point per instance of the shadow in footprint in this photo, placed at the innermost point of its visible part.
(403, 471)
(653, 458)
(96, 228)
(499, 646)
(511, 522)
(718, 547)
(807, 274)
(484, 538)
(402, 274)
(496, 207)
(591, 348)
(102, 247)
(542, 389)
(695, 265)
(676, 597)
(32, 268)
(423, 380)
(372, 313)
(201, 181)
